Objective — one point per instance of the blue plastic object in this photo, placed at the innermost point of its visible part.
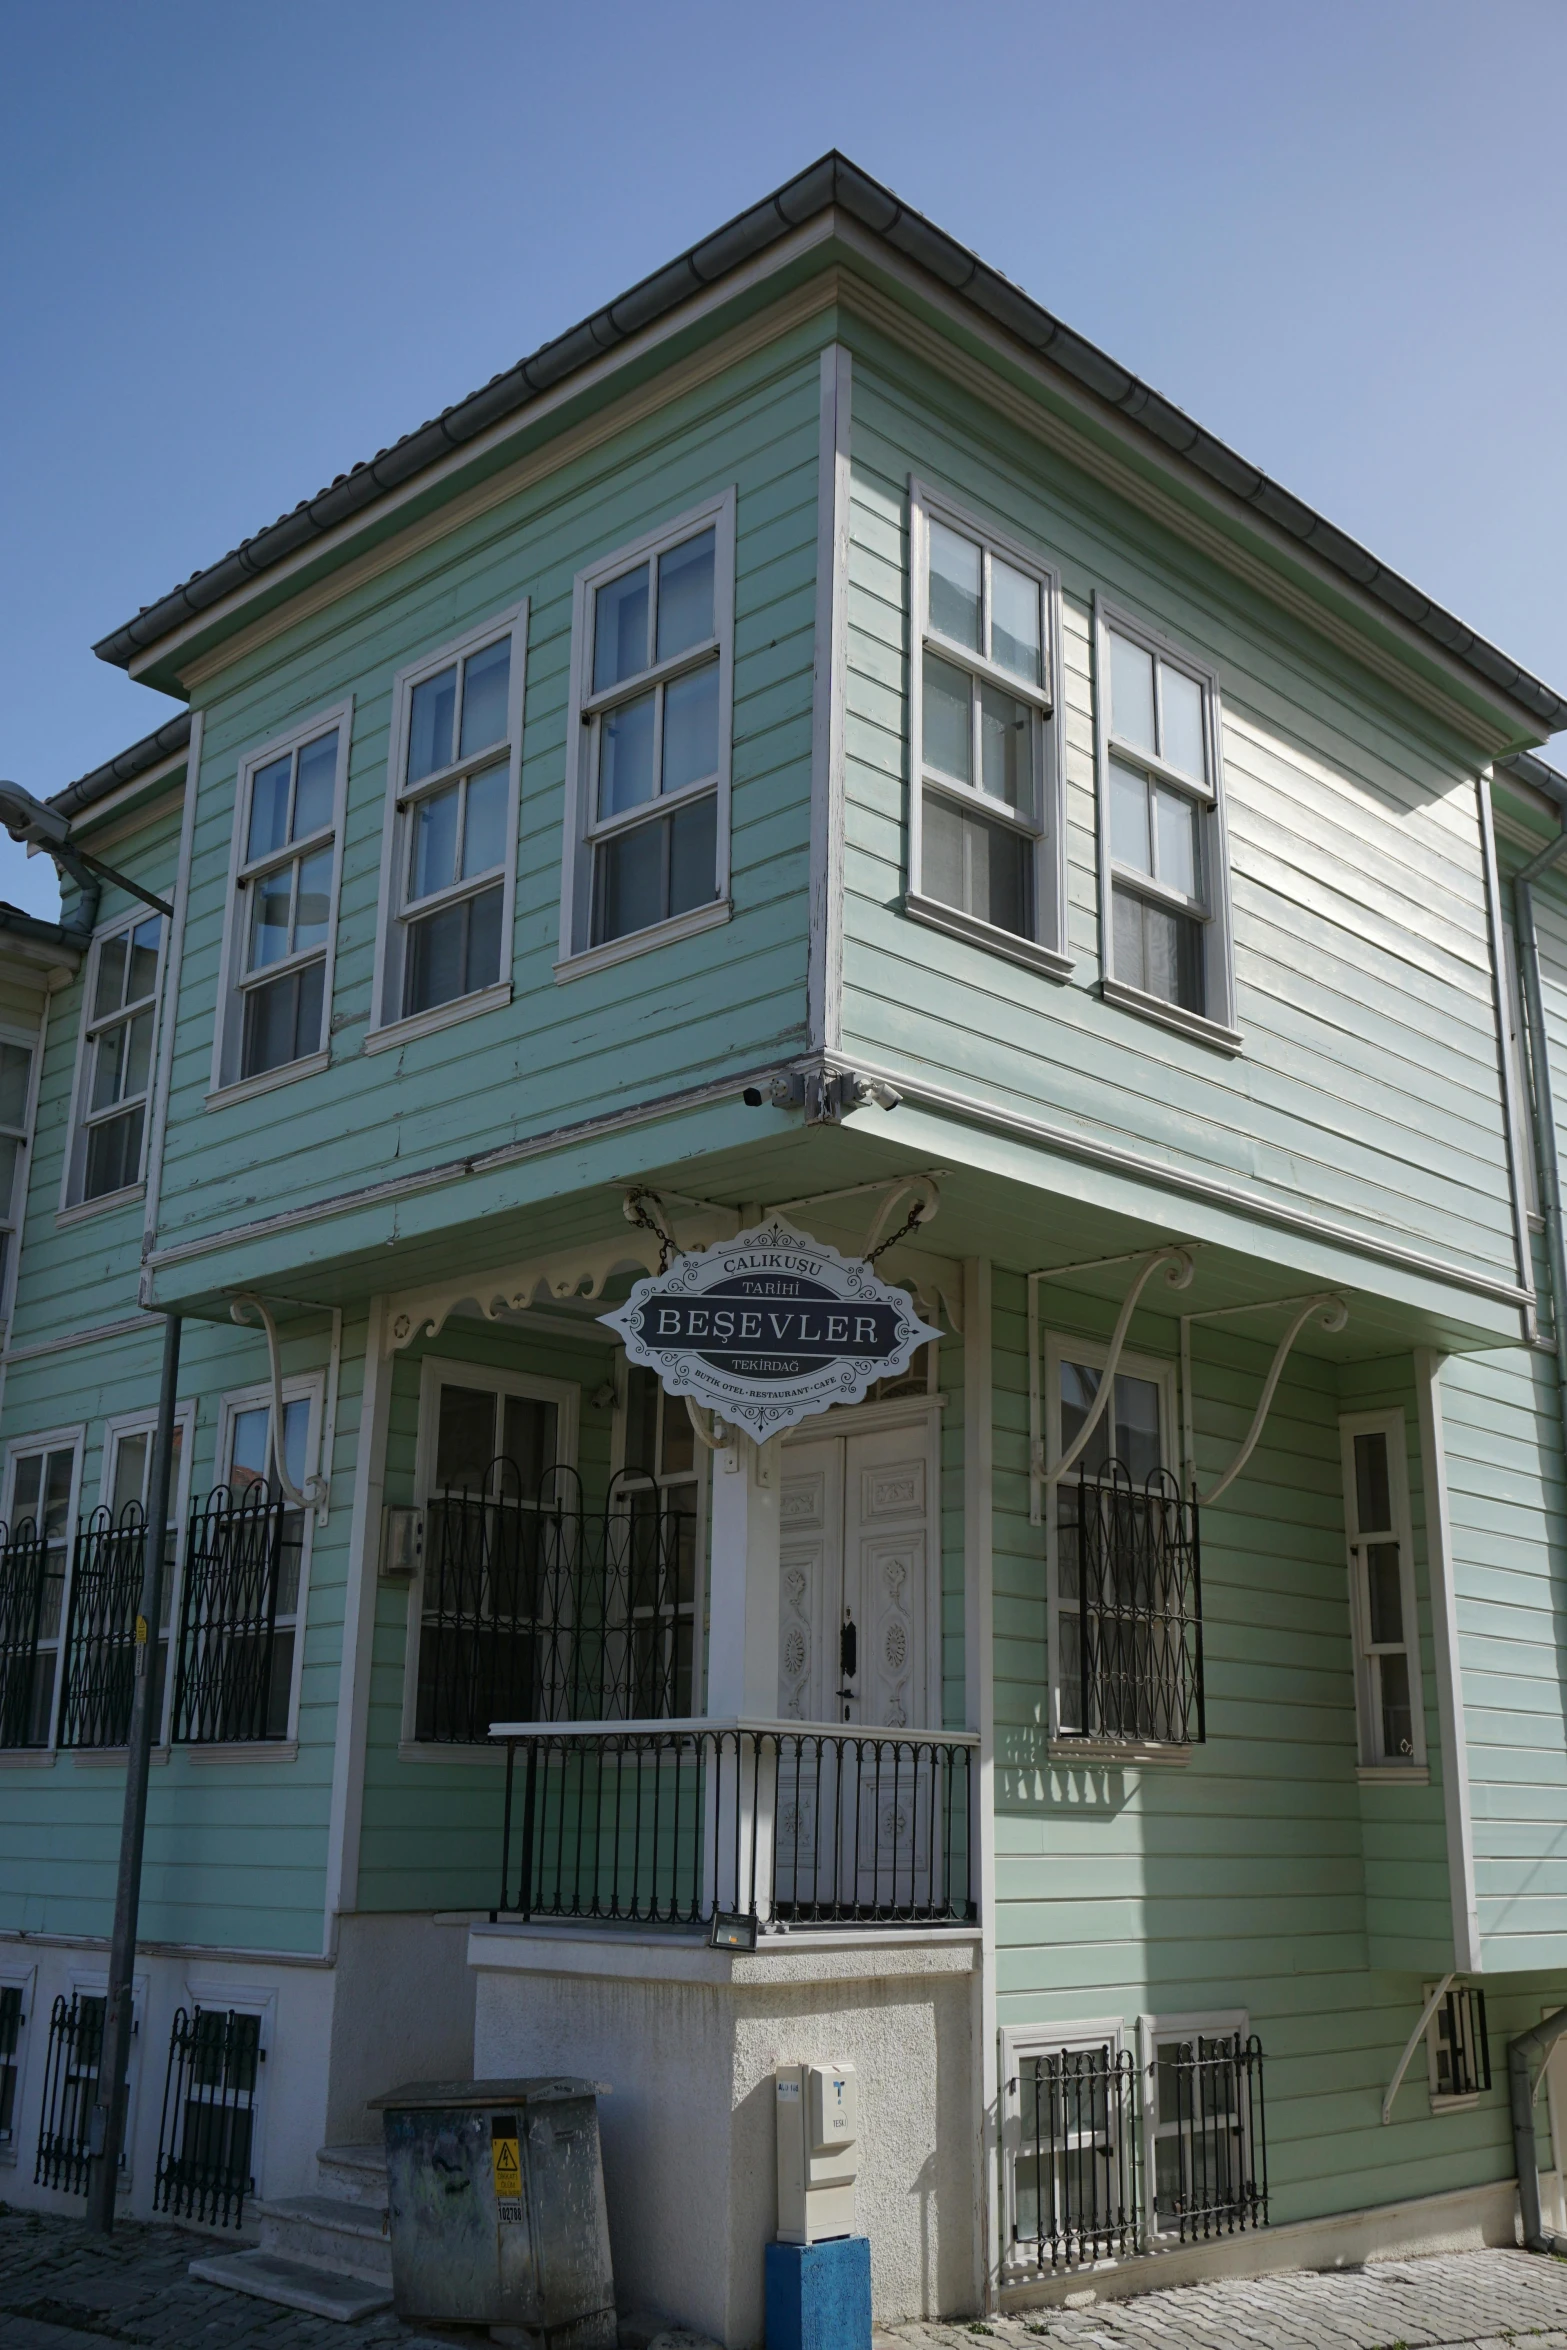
(819, 2295)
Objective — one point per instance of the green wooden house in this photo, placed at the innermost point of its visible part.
(818, 742)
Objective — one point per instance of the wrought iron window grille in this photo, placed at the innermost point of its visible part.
(1130, 1558)
(12, 2020)
(70, 2092)
(1210, 2156)
(1459, 2045)
(234, 1666)
(99, 1671)
(1075, 2172)
(206, 2131)
(26, 1571)
(537, 1609)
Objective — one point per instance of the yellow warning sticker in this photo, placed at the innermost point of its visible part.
(505, 2159)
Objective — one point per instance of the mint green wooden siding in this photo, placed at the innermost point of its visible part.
(1368, 1086)
(730, 998)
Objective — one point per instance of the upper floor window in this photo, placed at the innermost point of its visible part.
(452, 848)
(1382, 1591)
(1163, 867)
(653, 650)
(16, 1109)
(41, 1508)
(984, 831)
(283, 911)
(114, 1075)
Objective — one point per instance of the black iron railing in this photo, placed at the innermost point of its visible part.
(27, 1566)
(537, 1609)
(206, 2130)
(232, 1676)
(697, 1823)
(1130, 1559)
(1210, 2137)
(1075, 2170)
(99, 1672)
(70, 2092)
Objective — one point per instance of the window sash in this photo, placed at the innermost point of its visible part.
(1371, 1656)
(308, 845)
(249, 874)
(649, 811)
(628, 689)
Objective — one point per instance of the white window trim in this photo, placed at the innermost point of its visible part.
(578, 955)
(145, 1423)
(85, 1982)
(1093, 1353)
(436, 1372)
(1390, 1424)
(32, 1042)
(227, 1084)
(206, 1991)
(73, 1208)
(311, 1386)
(1466, 2098)
(1518, 1108)
(1208, 2024)
(1020, 2042)
(1046, 950)
(25, 1980)
(1216, 1025)
(51, 1440)
(390, 1026)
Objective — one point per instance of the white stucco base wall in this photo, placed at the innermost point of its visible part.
(686, 2039)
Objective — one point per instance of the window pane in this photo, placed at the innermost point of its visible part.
(109, 993)
(432, 859)
(1183, 743)
(143, 974)
(113, 1155)
(1172, 957)
(941, 854)
(642, 1392)
(1129, 818)
(693, 855)
(685, 596)
(630, 881)
(436, 960)
(1014, 622)
(691, 728)
(138, 1053)
(16, 1068)
(529, 1439)
(313, 902)
(981, 868)
(57, 1491)
(1079, 1387)
(10, 1152)
(1397, 1723)
(296, 1431)
(1175, 823)
(484, 822)
(430, 718)
(108, 1069)
(269, 807)
(283, 1021)
(130, 1470)
(250, 1454)
(1128, 946)
(465, 1436)
(269, 910)
(486, 684)
(1137, 1426)
(1131, 694)
(1006, 742)
(1373, 1485)
(620, 629)
(948, 741)
(954, 586)
(1384, 1590)
(483, 963)
(316, 786)
(677, 1452)
(626, 756)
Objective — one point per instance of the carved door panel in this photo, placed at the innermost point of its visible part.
(810, 1581)
(854, 1582)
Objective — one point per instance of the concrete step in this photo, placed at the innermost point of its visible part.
(319, 2292)
(322, 2231)
(356, 2173)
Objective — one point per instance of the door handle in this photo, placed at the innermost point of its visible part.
(848, 1649)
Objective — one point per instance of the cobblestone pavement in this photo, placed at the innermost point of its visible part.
(61, 2289)
(1486, 2299)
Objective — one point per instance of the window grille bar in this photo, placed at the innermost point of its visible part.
(24, 1581)
(206, 2130)
(1075, 2181)
(238, 1549)
(99, 1673)
(1212, 2164)
(1140, 1628)
(70, 2091)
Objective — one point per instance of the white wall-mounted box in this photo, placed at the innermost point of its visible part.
(818, 2108)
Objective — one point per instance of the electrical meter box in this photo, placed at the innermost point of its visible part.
(818, 2151)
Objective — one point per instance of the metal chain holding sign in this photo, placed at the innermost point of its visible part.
(911, 1223)
(636, 1213)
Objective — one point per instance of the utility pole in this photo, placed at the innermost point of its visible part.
(108, 2115)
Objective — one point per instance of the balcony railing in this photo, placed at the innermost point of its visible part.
(99, 1670)
(1130, 1573)
(740, 1827)
(231, 1681)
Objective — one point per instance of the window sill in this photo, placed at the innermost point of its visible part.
(1464, 2104)
(112, 1758)
(639, 942)
(430, 1750)
(1116, 1750)
(417, 1024)
(957, 924)
(1154, 1007)
(83, 1208)
(245, 1089)
(259, 1750)
(27, 1758)
(1393, 1774)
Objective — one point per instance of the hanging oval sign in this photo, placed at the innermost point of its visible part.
(769, 1327)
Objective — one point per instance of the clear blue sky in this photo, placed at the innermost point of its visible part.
(242, 247)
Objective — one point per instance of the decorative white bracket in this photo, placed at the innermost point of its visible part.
(1177, 1265)
(315, 1489)
(1410, 2045)
(1333, 1313)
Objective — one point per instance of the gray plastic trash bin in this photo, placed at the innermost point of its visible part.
(496, 2197)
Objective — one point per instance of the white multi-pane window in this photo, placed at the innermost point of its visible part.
(283, 905)
(652, 688)
(114, 1070)
(1382, 1591)
(450, 867)
(1458, 2048)
(662, 1485)
(18, 1988)
(41, 1514)
(16, 1115)
(1201, 2108)
(1164, 879)
(250, 1465)
(984, 824)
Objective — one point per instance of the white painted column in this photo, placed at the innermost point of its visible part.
(742, 1581)
(1449, 1665)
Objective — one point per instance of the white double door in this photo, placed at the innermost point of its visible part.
(857, 1560)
